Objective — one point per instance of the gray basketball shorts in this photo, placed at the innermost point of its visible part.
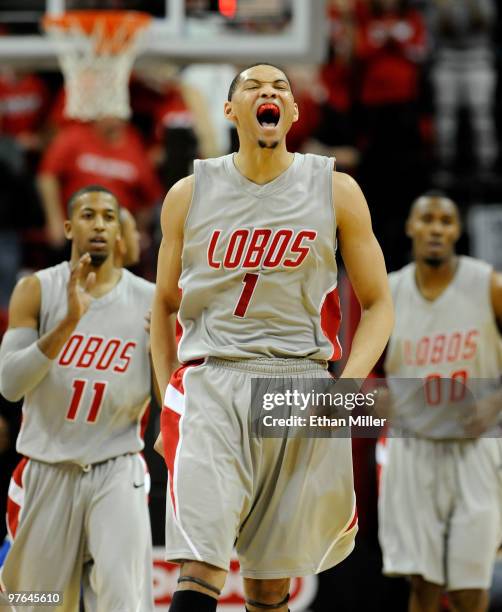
(440, 510)
(61, 516)
(286, 504)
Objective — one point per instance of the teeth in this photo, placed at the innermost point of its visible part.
(268, 125)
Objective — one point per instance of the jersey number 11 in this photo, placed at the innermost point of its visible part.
(97, 399)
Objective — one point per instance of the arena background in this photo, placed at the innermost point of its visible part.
(407, 98)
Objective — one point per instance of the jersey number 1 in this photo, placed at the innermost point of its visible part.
(249, 282)
(97, 399)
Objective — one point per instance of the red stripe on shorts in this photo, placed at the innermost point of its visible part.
(14, 509)
(353, 521)
(170, 426)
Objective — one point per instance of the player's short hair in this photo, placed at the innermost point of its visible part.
(238, 77)
(70, 207)
(436, 194)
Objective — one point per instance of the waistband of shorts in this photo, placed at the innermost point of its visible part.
(87, 467)
(270, 365)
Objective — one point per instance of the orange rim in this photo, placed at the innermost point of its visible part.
(109, 22)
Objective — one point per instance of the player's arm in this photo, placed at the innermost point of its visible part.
(365, 265)
(486, 412)
(25, 358)
(167, 295)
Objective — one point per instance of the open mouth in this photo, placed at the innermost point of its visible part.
(268, 115)
(98, 242)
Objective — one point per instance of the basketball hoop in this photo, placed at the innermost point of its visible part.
(96, 52)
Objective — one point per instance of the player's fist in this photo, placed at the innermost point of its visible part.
(81, 282)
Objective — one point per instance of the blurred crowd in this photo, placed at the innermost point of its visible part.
(408, 98)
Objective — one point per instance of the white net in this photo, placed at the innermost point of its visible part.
(96, 64)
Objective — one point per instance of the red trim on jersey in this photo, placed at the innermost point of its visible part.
(14, 509)
(330, 322)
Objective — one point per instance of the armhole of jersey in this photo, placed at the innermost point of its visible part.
(196, 173)
(332, 170)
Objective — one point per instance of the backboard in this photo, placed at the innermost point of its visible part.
(233, 31)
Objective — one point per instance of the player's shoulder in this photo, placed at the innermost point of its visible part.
(139, 285)
(398, 277)
(177, 203)
(348, 200)
(61, 269)
(28, 285)
(473, 265)
(182, 189)
(213, 162)
(212, 168)
(346, 190)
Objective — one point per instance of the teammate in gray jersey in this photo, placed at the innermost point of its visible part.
(77, 350)
(250, 240)
(441, 489)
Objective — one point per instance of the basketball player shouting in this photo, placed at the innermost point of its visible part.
(441, 494)
(76, 349)
(250, 239)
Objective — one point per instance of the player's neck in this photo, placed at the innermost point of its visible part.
(263, 165)
(107, 276)
(432, 281)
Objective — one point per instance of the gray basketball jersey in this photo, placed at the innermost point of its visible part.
(452, 344)
(89, 405)
(259, 272)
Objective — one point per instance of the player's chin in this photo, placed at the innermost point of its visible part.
(269, 138)
(98, 258)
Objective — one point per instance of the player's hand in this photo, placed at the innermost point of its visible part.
(81, 282)
(159, 446)
(482, 416)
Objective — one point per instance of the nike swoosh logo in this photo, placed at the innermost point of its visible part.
(138, 486)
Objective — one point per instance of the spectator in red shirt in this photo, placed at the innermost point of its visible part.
(335, 134)
(108, 152)
(23, 105)
(391, 45)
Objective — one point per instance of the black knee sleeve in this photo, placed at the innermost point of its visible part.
(189, 601)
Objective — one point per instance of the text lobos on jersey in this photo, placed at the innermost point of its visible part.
(252, 248)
